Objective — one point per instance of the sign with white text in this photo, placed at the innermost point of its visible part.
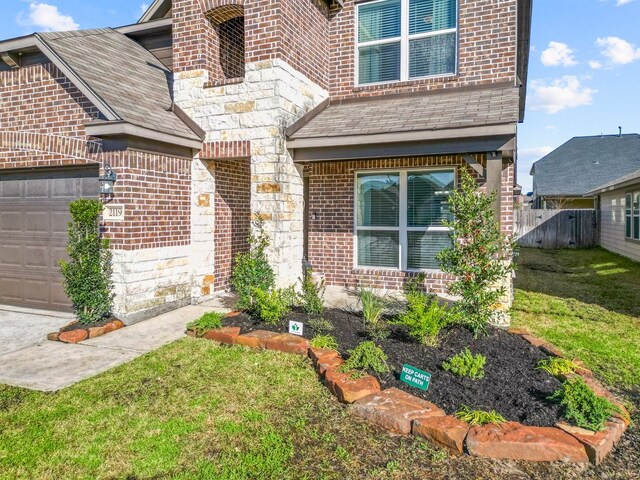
(415, 377)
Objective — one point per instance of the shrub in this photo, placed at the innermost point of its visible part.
(365, 356)
(465, 364)
(558, 366)
(87, 276)
(479, 417)
(583, 407)
(320, 326)
(480, 256)
(324, 341)
(312, 296)
(252, 270)
(274, 304)
(208, 321)
(373, 308)
(424, 317)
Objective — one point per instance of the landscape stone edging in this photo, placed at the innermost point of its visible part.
(80, 334)
(401, 412)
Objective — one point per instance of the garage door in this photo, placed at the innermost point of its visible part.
(34, 212)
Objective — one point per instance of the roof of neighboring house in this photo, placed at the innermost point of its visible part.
(442, 110)
(126, 77)
(627, 180)
(583, 164)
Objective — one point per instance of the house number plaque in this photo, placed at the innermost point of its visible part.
(113, 213)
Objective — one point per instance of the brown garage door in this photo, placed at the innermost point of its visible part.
(34, 212)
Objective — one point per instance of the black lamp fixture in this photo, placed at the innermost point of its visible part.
(107, 181)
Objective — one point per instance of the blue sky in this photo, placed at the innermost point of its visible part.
(583, 74)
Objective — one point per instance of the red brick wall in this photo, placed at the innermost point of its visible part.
(232, 216)
(40, 99)
(156, 193)
(42, 119)
(331, 236)
(487, 50)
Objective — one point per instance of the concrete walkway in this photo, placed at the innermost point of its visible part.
(50, 366)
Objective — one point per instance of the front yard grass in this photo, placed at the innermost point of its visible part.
(586, 302)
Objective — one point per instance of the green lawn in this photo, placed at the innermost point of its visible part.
(586, 302)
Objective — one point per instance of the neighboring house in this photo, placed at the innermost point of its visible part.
(619, 213)
(344, 124)
(562, 179)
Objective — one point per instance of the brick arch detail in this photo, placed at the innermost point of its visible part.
(70, 147)
(219, 11)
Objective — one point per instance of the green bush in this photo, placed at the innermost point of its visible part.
(465, 364)
(312, 296)
(273, 305)
(480, 256)
(366, 356)
(208, 321)
(424, 317)
(320, 326)
(558, 366)
(479, 417)
(87, 276)
(324, 341)
(582, 407)
(252, 270)
(373, 309)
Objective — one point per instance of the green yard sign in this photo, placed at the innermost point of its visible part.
(415, 377)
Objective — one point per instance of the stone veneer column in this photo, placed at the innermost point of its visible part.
(272, 96)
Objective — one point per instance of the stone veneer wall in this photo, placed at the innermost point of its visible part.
(272, 96)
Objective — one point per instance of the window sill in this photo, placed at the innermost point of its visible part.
(222, 83)
(390, 271)
(405, 83)
(632, 240)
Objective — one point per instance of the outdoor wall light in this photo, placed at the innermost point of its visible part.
(107, 181)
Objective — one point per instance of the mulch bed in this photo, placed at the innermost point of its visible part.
(512, 385)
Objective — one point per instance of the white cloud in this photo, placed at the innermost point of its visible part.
(560, 94)
(535, 152)
(623, 2)
(617, 50)
(558, 54)
(595, 65)
(143, 8)
(47, 17)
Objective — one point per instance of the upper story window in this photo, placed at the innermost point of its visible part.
(231, 35)
(400, 40)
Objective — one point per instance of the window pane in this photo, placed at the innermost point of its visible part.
(431, 15)
(378, 200)
(378, 21)
(378, 249)
(636, 216)
(428, 198)
(380, 63)
(432, 55)
(628, 218)
(424, 247)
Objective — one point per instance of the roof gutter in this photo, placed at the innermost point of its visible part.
(107, 129)
(614, 186)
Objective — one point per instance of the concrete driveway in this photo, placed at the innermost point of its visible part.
(23, 327)
(28, 360)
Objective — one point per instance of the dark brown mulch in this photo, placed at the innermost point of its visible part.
(512, 385)
(81, 326)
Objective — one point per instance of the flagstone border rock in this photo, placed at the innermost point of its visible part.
(80, 334)
(402, 413)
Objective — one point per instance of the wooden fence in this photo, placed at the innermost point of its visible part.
(556, 228)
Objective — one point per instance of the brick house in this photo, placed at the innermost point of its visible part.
(344, 123)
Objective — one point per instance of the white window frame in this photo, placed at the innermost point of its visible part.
(402, 227)
(634, 214)
(404, 39)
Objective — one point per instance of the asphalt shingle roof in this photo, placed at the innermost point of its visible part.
(127, 77)
(405, 113)
(585, 163)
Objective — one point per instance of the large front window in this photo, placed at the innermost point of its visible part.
(400, 217)
(406, 39)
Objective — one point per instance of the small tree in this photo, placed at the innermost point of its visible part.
(252, 270)
(480, 256)
(87, 277)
